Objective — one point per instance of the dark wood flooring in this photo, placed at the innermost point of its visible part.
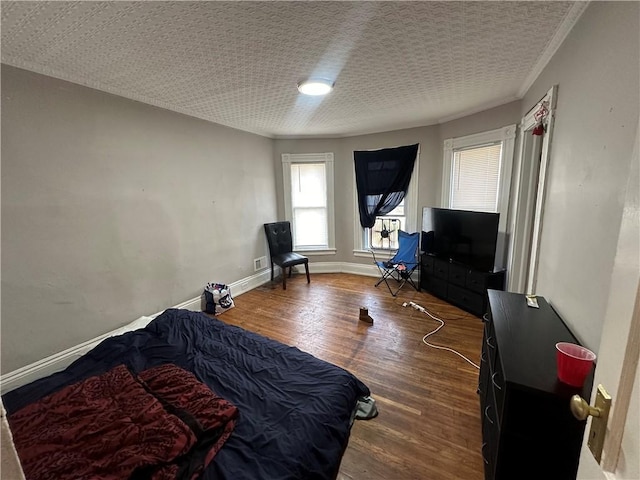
(428, 425)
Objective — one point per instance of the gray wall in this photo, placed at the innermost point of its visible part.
(596, 70)
(491, 119)
(112, 209)
(429, 167)
(343, 148)
(431, 140)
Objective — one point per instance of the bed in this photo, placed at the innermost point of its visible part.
(279, 413)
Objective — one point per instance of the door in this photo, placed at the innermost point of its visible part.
(521, 222)
(530, 177)
(619, 352)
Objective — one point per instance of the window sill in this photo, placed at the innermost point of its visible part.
(322, 251)
(379, 253)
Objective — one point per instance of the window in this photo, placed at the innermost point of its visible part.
(309, 204)
(308, 186)
(384, 234)
(477, 172)
(403, 217)
(475, 177)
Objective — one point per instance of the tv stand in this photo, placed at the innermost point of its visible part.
(458, 284)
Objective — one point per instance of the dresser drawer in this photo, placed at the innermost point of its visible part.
(490, 437)
(467, 299)
(477, 281)
(441, 269)
(458, 275)
(426, 264)
(496, 382)
(490, 344)
(488, 458)
(485, 375)
(437, 286)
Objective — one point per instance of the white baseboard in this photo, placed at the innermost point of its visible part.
(59, 361)
(368, 270)
(51, 364)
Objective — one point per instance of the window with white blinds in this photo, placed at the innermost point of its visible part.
(475, 178)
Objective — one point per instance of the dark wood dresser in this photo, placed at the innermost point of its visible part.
(458, 284)
(528, 431)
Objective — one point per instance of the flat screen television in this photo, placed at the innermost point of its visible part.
(461, 236)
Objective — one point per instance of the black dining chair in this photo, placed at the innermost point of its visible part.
(281, 250)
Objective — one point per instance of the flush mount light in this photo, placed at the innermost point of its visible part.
(316, 86)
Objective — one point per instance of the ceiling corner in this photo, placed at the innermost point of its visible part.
(574, 13)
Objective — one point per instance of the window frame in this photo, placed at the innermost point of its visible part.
(505, 135)
(360, 249)
(326, 158)
(457, 171)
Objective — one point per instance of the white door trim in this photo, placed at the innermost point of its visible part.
(551, 98)
(611, 450)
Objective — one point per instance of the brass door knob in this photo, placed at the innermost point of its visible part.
(581, 409)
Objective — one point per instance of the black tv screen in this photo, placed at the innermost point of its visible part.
(461, 236)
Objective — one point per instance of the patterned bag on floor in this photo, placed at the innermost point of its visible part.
(216, 298)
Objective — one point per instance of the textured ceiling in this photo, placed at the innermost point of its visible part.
(395, 64)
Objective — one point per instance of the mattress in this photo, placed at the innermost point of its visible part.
(294, 410)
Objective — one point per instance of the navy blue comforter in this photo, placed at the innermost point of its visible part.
(295, 409)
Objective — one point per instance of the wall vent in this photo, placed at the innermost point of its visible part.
(259, 263)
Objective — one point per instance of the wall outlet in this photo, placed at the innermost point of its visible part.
(259, 263)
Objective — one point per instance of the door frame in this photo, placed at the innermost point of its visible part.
(525, 224)
(523, 204)
(619, 352)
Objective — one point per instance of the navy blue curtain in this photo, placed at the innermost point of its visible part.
(382, 180)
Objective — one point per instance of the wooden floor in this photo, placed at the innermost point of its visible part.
(428, 425)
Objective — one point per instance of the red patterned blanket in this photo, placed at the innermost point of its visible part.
(161, 424)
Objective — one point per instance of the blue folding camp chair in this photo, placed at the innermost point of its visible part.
(403, 263)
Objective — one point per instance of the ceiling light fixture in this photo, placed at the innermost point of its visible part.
(315, 86)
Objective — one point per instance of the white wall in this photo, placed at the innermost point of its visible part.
(596, 69)
(112, 209)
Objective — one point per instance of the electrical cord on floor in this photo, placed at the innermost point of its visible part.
(424, 339)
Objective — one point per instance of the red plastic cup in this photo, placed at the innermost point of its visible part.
(574, 363)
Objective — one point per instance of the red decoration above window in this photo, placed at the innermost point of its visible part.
(541, 119)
